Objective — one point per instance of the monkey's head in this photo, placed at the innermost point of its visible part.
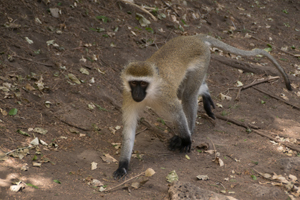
(139, 79)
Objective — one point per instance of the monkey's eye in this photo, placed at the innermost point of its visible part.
(133, 83)
(144, 84)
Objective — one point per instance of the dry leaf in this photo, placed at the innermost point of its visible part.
(112, 130)
(96, 183)
(149, 172)
(210, 151)
(135, 185)
(223, 97)
(108, 158)
(219, 105)
(202, 177)
(284, 97)
(40, 84)
(172, 176)
(279, 178)
(36, 164)
(239, 84)
(84, 71)
(219, 161)
(293, 178)
(73, 78)
(266, 175)
(94, 165)
(116, 145)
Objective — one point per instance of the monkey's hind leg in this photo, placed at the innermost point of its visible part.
(190, 107)
(207, 100)
(207, 104)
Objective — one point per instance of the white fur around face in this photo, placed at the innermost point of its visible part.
(135, 78)
(153, 87)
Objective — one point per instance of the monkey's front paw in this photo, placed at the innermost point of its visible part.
(183, 144)
(119, 173)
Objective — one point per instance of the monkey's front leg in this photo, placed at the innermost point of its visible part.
(128, 133)
(182, 141)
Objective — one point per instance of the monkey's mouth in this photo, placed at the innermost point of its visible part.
(138, 98)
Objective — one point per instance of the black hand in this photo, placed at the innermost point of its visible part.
(183, 144)
(122, 170)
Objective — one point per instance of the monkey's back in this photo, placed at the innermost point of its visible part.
(181, 54)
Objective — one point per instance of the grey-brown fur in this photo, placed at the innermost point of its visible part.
(175, 72)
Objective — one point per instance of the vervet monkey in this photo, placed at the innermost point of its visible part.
(170, 82)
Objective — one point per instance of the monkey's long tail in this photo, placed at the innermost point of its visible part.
(221, 45)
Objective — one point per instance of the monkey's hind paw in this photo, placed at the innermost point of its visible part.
(119, 173)
(183, 144)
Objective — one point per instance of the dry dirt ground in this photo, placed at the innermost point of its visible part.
(44, 42)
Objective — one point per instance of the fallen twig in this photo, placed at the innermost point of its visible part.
(83, 129)
(159, 133)
(124, 182)
(258, 132)
(22, 148)
(236, 122)
(160, 118)
(208, 118)
(214, 148)
(275, 97)
(141, 131)
(170, 8)
(255, 82)
(153, 17)
(271, 138)
(246, 67)
(236, 160)
(30, 60)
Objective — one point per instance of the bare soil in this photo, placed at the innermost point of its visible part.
(102, 37)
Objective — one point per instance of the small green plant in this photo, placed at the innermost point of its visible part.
(285, 11)
(37, 52)
(161, 121)
(262, 102)
(57, 181)
(100, 108)
(34, 158)
(154, 11)
(255, 162)
(268, 49)
(29, 184)
(150, 30)
(253, 177)
(13, 111)
(224, 113)
(103, 18)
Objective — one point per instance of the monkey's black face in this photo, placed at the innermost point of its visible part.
(138, 90)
